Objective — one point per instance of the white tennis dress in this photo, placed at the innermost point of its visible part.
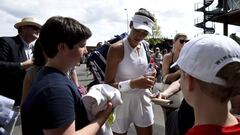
(136, 107)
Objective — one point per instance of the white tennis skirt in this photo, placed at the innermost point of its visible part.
(136, 108)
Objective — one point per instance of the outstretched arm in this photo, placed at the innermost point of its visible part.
(171, 90)
(90, 129)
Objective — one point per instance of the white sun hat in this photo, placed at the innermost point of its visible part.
(27, 21)
(204, 56)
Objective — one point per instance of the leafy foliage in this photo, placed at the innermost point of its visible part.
(156, 37)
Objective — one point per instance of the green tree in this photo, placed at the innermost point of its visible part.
(156, 37)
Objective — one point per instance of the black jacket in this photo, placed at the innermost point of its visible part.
(11, 75)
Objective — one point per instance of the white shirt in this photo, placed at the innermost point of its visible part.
(28, 50)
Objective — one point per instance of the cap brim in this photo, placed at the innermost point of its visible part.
(142, 27)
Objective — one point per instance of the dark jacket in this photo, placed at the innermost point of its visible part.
(11, 75)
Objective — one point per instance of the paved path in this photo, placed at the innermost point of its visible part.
(85, 78)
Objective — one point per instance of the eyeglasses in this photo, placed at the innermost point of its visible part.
(182, 41)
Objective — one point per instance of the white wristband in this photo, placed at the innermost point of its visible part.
(124, 85)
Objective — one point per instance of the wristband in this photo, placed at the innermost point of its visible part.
(124, 85)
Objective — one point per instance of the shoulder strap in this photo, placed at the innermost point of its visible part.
(172, 58)
(146, 47)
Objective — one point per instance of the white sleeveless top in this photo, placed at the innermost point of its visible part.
(133, 64)
(136, 107)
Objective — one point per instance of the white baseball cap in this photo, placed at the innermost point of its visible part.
(142, 22)
(204, 56)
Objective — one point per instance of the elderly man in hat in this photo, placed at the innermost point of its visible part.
(15, 58)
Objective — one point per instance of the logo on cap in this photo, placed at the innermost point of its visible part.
(145, 22)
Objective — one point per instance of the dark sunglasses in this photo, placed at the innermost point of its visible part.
(182, 41)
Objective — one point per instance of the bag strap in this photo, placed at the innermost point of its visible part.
(146, 47)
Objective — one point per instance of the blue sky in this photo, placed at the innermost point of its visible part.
(106, 17)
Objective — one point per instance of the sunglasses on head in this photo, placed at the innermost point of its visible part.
(182, 41)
